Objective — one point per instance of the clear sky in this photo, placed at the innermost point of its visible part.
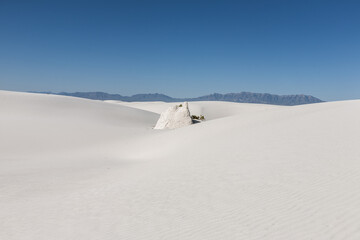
(182, 48)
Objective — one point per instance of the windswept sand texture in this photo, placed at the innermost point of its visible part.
(72, 168)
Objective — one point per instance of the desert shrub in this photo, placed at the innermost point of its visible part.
(201, 117)
(180, 105)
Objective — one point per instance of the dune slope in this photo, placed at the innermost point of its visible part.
(254, 172)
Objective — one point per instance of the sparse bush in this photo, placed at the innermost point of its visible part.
(201, 117)
(180, 105)
(194, 117)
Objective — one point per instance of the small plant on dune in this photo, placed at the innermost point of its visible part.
(201, 117)
(194, 117)
(180, 105)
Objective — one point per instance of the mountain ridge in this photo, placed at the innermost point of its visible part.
(241, 97)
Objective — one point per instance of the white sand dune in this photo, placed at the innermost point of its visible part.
(79, 169)
(210, 109)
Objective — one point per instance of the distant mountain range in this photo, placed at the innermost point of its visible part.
(242, 97)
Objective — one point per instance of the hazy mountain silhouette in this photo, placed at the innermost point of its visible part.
(243, 97)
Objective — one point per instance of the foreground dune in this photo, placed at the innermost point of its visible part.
(79, 169)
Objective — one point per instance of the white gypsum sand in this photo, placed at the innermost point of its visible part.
(175, 117)
(72, 168)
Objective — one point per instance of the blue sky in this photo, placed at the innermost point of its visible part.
(182, 48)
